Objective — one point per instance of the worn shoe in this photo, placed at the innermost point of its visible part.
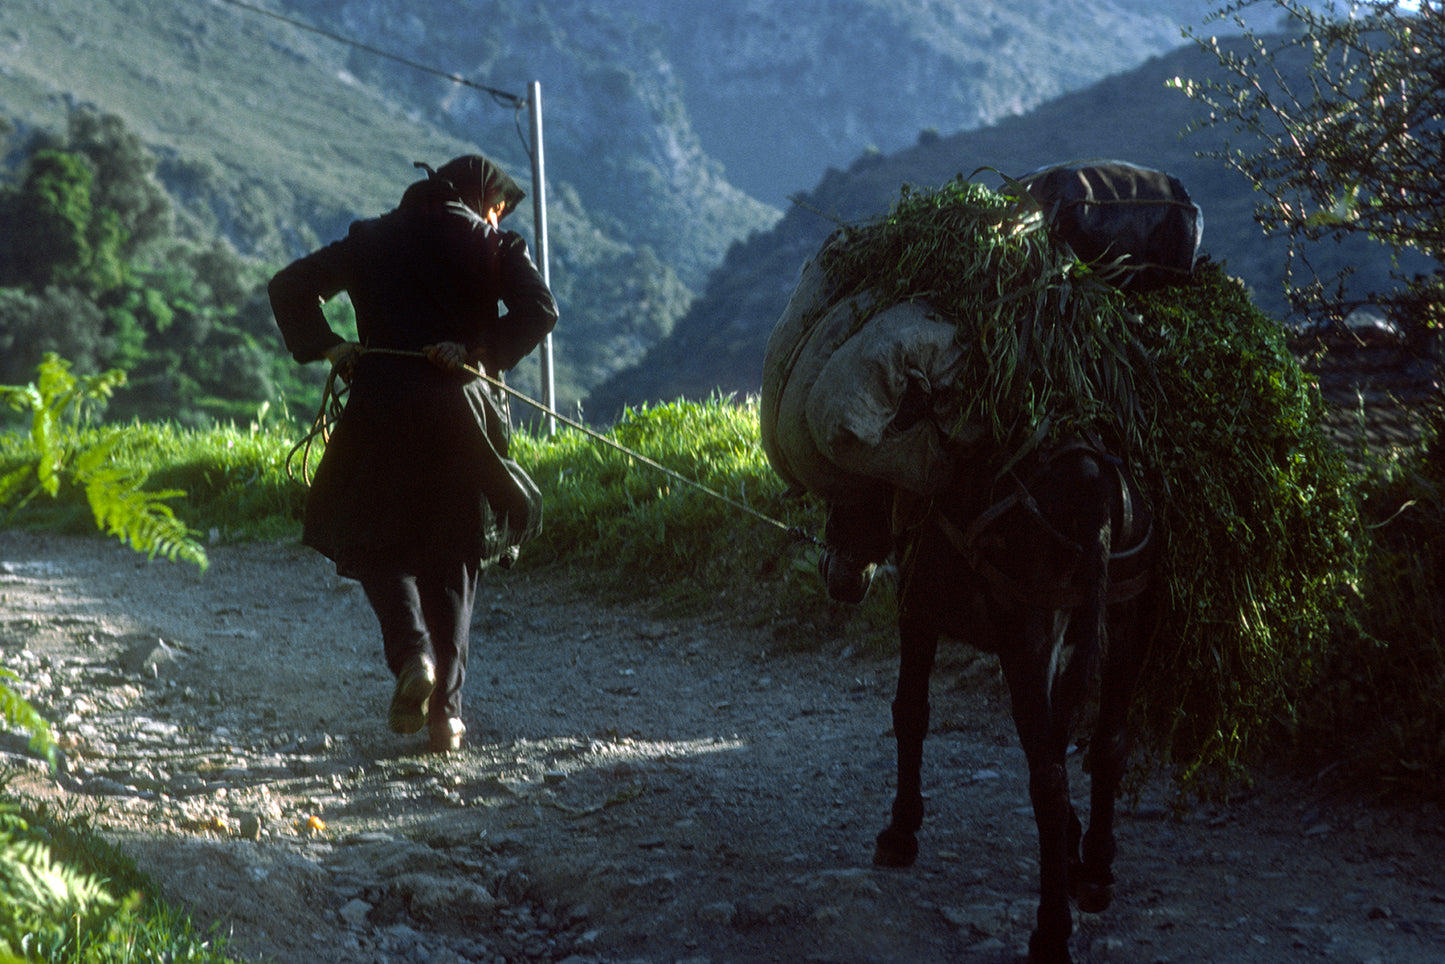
(414, 685)
(446, 734)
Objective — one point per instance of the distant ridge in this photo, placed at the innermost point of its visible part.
(717, 347)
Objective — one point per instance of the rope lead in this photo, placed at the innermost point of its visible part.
(332, 405)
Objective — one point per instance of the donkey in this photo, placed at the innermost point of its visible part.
(1048, 568)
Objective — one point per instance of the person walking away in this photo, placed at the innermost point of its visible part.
(415, 494)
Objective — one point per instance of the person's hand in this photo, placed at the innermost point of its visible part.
(343, 357)
(449, 356)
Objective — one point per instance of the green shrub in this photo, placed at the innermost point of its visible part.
(72, 897)
(1378, 713)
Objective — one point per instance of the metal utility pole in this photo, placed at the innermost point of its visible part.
(539, 215)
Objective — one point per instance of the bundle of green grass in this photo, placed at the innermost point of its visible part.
(1196, 389)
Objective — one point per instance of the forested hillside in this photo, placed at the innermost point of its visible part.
(672, 132)
(718, 346)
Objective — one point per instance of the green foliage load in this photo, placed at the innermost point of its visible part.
(1196, 389)
(1259, 514)
(1048, 342)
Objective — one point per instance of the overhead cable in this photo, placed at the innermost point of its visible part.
(501, 95)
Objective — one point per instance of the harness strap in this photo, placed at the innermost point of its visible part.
(967, 541)
(1066, 597)
(332, 406)
(1021, 496)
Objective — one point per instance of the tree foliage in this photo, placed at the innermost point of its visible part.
(1354, 151)
(92, 269)
(57, 233)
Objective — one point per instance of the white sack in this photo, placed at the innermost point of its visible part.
(853, 401)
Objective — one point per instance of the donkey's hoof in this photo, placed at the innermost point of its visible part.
(1044, 951)
(1094, 898)
(895, 848)
(847, 580)
(1093, 892)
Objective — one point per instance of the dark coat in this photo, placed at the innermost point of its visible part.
(416, 470)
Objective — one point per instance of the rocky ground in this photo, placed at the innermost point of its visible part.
(635, 789)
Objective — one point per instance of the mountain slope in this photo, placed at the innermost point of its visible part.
(267, 137)
(673, 132)
(718, 346)
(780, 92)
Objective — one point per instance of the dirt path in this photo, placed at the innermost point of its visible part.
(635, 789)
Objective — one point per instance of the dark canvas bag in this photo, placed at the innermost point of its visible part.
(1140, 221)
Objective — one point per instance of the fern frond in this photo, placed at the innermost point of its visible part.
(58, 402)
(13, 483)
(125, 510)
(41, 891)
(20, 715)
(50, 448)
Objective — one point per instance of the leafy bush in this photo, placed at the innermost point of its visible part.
(1378, 713)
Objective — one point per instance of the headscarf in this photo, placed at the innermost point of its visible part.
(473, 179)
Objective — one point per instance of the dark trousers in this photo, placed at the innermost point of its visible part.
(426, 609)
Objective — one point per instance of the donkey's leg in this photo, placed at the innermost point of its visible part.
(1043, 733)
(897, 845)
(1093, 886)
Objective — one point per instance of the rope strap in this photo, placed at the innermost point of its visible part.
(332, 405)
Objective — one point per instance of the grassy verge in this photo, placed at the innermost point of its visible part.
(71, 897)
(705, 525)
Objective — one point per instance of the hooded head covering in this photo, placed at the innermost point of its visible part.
(473, 179)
